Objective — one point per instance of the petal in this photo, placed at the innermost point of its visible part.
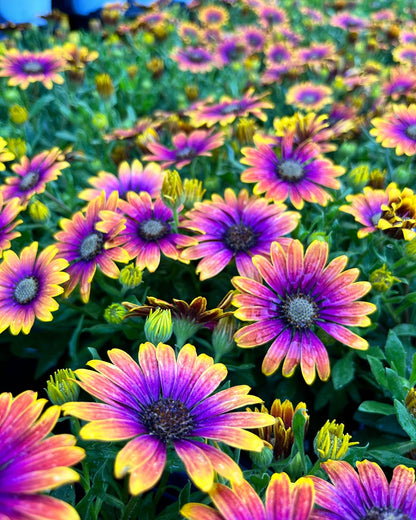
(136, 453)
(146, 476)
(344, 335)
(197, 464)
(374, 482)
(277, 351)
(200, 512)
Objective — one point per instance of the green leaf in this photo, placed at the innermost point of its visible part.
(395, 353)
(376, 407)
(343, 371)
(406, 420)
(74, 338)
(390, 458)
(298, 426)
(378, 371)
(396, 385)
(405, 329)
(412, 378)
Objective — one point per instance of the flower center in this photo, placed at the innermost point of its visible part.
(153, 229)
(411, 131)
(232, 107)
(168, 419)
(29, 181)
(290, 170)
(309, 98)
(91, 246)
(33, 67)
(185, 153)
(385, 513)
(26, 290)
(196, 56)
(299, 311)
(240, 238)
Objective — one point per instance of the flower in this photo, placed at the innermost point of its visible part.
(61, 387)
(213, 16)
(16, 146)
(148, 231)
(33, 461)
(114, 314)
(186, 148)
(410, 402)
(172, 192)
(228, 109)
(166, 401)
(236, 228)
(382, 279)
(290, 171)
(331, 442)
(5, 154)
(129, 178)
(131, 276)
(195, 59)
(366, 208)
(397, 129)
(8, 221)
(285, 500)
(364, 493)
(33, 175)
(158, 326)
(38, 211)
(402, 82)
(301, 294)
(23, 68)
(28, 286)
(405, 54)
(398, 217)
(193, 191)
(318, 55)
(104, 85)
(87, 241)
(309, 96)
(18, 114)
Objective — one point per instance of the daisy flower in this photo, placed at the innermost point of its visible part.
(318, 55)
(348, 21)
(194, 59)
(213, 16)
(402, 82)
(397, 129)
(309, 96)
(5, 154)
(398, 217)
(284, 500)
(271, 16)
(149, 231)
(236, 228)
(33, 175)
(23, 68)
(33, 461)
(8, 221)
(405, 54)
(231, 50)
(87, 240)
(301, 294)
(28, 285)
(165, 402)
(186, 148)
(365, 493)
(290, 171)
(280, 54)
(129, 178)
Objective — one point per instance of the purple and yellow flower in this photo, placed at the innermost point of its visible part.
(186, 148)
(149, 231)
(397, 129)
(348, 21)
(228, 109)
(301, 294)
(290, 171)
(402, 82)
(87, 240)
(5, 154)
(165, 401)
(33, 461)
(236, 228)
(129, 178)
(405, 54)
(23, 68)
(33, 175)
(279, 54)
(213, 16)
(8, 213)
(253, 36)
(232, 49)
(366, 208)
(271, 16)
(309, 95)
(28, 285)
(284, 500)
(195, 59)
(365, 493)
(189, 32)
(318, 55)
(142, 125)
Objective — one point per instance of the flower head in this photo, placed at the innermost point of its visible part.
(364, 493)
(5, 154)
(236, 228)
(23, 68)
(165, 401)
(309, 96)
(61, 387)
(33, 461)
(18, 114)
(104, 85)
(285, 500)
(194, 59)
(8, 221)
(301, 294)
(382, 279)
(397, 129)
(398, 217)
(331, 442)
(33, 175)
(28, 285)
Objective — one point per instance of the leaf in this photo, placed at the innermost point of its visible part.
(406, 420)
(396, 385)
(74, 338)
(412, 378)
(378, 370)
(395, 353)
(405, 329)
(343, 371)
(298, 427)
(376, 407)
(390, 458)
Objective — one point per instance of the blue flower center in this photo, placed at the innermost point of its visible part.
(33, 67)
(168, 419)
(299, 311)
(290, 170)
(91, 246)
(29, 181)
(26, 290)
(153, 229)
(385, 513)
(411, 131)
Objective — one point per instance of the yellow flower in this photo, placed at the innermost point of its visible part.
(245, 130)
(104, 85)
(61, 387)
(18, 114)
(5, 154)
(172, 192)
(38, 211)
(17, 146)
(193, 192)
(331, 442)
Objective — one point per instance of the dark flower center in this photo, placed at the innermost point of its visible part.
(240, 238)
(29, 181)
(196, 56)
(290, 170)
(214, 17)
(411, 131)
(299, 311)
(232, 107)
(309, 98)
(385, 513)
(33, 67)
(153, 229)
(185, 153)
(168, 419)
(26, 290)
(91, 246)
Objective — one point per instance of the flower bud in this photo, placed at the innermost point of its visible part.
(115, 313)
(131, 276)
(18, 114)
(60, 387)
(158, 326)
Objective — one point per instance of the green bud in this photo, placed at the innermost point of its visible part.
(158, 326)
(262, 459)
(222, 336)
(60, 387)
(115, 313)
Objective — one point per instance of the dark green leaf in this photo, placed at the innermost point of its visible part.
(378, 371)
(376, 407)
(395, 353)
(406, 420)
(343, 371)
